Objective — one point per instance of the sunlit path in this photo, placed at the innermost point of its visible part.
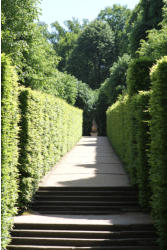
(92, 162)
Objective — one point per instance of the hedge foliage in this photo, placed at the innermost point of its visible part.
(117, 121)
(138, 77)
(137, 128)
(158, 148)
(127, 129)
(62, 85)
(110, 90)
(140, 116)
(86, 100)
(49, 128)
(100, 114)
(9, 126)
(116, 83)
(155, 46)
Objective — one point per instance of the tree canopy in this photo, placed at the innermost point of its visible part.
(93, 54)
(65, 39)
(35, 59)
(117, 17)
(17, 20)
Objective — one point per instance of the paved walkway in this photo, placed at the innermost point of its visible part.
(92, 162)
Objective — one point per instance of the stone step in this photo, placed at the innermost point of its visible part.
(86, 193)
(38, 247)
(84, 227)
(90, 210)
(82, 234)
(51, 197)
(82, 242)
(84, 203)
(93, 212)
(89, 188)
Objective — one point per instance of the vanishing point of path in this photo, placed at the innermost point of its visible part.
(85, 202)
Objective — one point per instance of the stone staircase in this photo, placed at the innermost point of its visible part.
(59, 236)
(85, 201)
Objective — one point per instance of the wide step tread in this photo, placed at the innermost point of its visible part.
(101, 199)
(30, 247)
(86, 203)
(82, 242)
(85, 227)
(83, 234)
(88, 193)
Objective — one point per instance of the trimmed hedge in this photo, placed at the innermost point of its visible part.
(49, 128)
(127, 129)
(9, 126)
(137, 128)
(117, 121)
(138, 78)
(158, 148)
(139, 109)
(86, 100)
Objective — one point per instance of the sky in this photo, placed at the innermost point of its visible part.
(61, 10)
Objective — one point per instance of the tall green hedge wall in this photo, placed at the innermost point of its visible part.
(158, 149)
(127, 129)
(137, 128)
(37, 130)
(49, 128)
(9, 153)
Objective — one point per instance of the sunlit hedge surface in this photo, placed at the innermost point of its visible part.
(37, 130)
(158, 151)
(49, 128)
(9, 154)
(137, 128)
(127, 129)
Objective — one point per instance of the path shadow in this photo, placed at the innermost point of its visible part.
(105, 168)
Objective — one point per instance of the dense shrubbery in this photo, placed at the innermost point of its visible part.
(139, 125)
(146, 16)
(65, 87)
(9, 125)
(110, 90)
(127, 127)
(49, 128)
(117, 122)
(86, 100)
(156, 44)
(116, 83)
(158, 150)
(138, 75)
(100, 111)
(144, 155)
